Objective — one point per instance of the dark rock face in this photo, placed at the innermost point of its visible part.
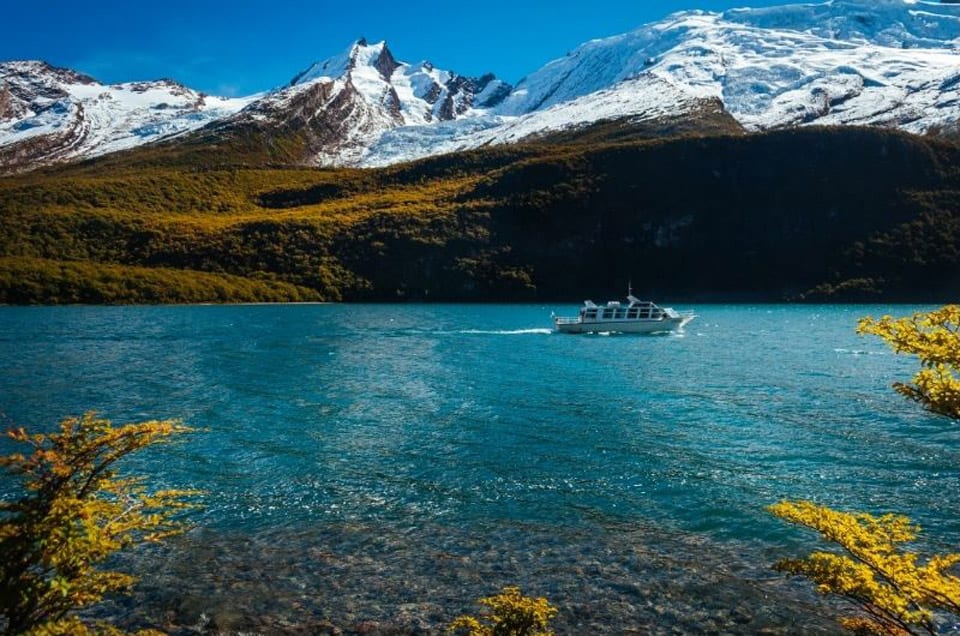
(457, 86)
(459, 94)
(320, 115)
(391, 101)
(10, 106)
(432, 94)
(462, 93)
(310, 116)
(317, 120)
(28, 82)
(386, 63)
(496, 96)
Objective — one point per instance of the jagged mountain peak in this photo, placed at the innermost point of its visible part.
(358, 55)
(342, 104)
(40, 68)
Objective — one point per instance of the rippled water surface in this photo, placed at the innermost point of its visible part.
(376, 468)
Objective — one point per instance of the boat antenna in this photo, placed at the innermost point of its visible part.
(629, 287)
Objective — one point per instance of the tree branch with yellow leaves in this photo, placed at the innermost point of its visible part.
(934, 338)
(76, 511)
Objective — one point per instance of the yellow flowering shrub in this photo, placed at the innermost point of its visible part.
(896, 593)
(510, 614)
(934, 338)
(74, 513)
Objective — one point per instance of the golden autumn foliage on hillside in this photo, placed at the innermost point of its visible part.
(504, 222)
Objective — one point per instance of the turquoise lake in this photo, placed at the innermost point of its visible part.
(376, 468)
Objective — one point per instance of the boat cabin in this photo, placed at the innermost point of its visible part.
(614, 310)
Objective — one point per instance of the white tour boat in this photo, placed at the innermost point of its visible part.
(637, 316)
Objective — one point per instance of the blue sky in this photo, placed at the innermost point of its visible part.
(246, 46)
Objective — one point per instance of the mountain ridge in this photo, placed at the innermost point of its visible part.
(891, 63)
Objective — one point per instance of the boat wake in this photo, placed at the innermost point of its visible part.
(507, 332)
(860, 352)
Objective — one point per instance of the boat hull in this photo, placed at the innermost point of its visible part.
(622, 326)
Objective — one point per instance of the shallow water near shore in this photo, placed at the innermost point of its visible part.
(376, 468)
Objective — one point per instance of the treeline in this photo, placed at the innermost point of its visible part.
(32, 280)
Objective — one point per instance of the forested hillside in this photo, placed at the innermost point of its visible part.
(805, 214)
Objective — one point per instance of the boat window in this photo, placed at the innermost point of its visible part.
(591, 314)
(607, 314)
(633, 313)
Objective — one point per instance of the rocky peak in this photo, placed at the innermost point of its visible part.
(37, 71)
(491, 91)
(360, 55)
(377, 56)
(385, 62)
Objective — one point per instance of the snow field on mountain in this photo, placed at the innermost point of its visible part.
(101, 118)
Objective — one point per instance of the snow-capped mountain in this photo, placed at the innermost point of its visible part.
(890, 63)
(878, 62)
(53, 114)
(344, 104)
